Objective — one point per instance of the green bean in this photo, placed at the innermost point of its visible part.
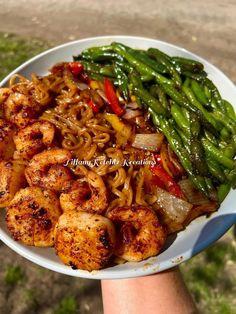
(146, 97)
(197, 157)
(186, 113)
(165, 60)
(126, 67)
(106, 70)
(154, 117)
(101, 56)
(210, 187)
(200, 77)
(199, 93)
(185, 139)
(217, 155)
(146, 77)
(215, 94)
(223, 191)
(196, 104)
(188, 64)
(228, 123)
(140, 66)
(229, 109)
(231, 177)
(229, 151)
(215, 169)
(207, 92)
(177, 97)
(177, 146)
(157, 91)
(122, 81)
(97, 49)
(180, 119)
(195, 126)
(224, 133)
(143, 56)
(211, 137)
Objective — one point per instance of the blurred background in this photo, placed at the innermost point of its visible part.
(206, 28)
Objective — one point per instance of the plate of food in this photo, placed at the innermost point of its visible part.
(117, 157)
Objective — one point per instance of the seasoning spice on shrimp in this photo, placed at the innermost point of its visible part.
(152, 152)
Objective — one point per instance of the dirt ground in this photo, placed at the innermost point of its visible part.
(207, 28)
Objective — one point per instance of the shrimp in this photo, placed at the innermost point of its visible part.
(89, 195)
(4, 94)
(139, 232)
(12, 179)
(46, 169)
(83, 240)
(7, 145)
(32, 216)
(34, 138)
(20, 109)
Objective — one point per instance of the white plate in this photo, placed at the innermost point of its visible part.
(198, 235)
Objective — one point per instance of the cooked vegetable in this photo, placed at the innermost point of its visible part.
(112, 98)
(173, 209)
(168, 181)
(183, 103)
(151, 142)
(128, 131)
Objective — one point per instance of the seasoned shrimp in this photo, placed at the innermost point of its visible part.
(89, 195)
(46, 169)
(32, 216)
(20, 109)
(12, 179)
(7, 145)
(4, 93)
(84, 240)
(34, 138)
(139, 232)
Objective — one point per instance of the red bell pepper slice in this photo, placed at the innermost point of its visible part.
(112, 98)
(167, 180)
(94, 106)
(75, 67)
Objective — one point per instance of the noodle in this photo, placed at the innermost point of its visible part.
(87, 135)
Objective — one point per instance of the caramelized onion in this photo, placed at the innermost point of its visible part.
(173, 208)
(151, 142)
(129, 114)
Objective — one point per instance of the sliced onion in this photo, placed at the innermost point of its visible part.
(151, 142)
(82, 86)
(132, 105)
(173, 208)
(203, 209)
(129, 114)
(102, 94)
(194, 196)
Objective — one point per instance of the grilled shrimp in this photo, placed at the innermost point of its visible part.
(46, 169)
(7, 145)
(12, 179)
(32, 215)
(34, 138)
(4, 94)
(88, 195)
(84, 240)
(20, 109)
(139, 232)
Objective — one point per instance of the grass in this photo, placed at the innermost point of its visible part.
(14, 274)
(67, 306)
(211, 281)
(14, 51)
